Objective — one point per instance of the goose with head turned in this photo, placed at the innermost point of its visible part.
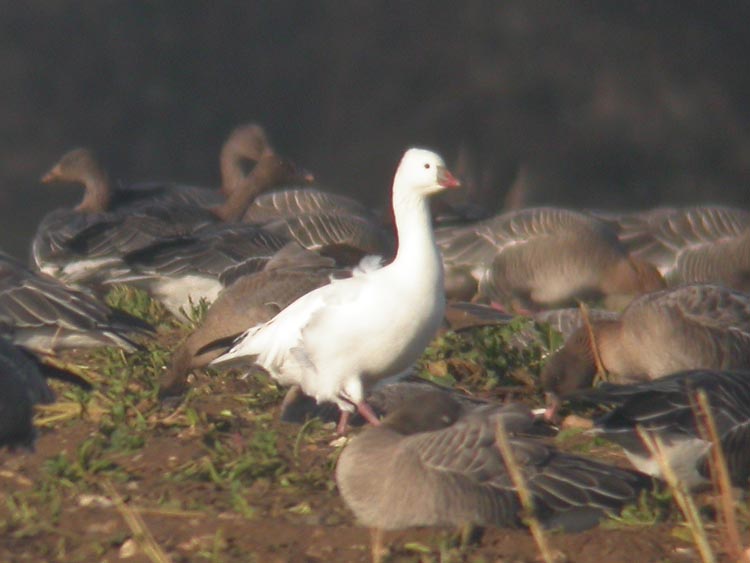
(340, 339)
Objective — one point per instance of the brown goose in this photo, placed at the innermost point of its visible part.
(184, 269)
(332, 224)
(95, 253)
(65, 235)
(689, 327)
(432, 464)
(542, 256)
(248, 301)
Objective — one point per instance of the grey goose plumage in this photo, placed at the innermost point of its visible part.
(543, 256)
(63, 236)
(666, 407)
(688, 327)
(430, 464)
(41, 313)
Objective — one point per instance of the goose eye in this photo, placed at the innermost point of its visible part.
(427, 166)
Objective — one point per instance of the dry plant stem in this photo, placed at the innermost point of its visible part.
(720, 480)
(376, 545)
(687, 506)
(601, 371)
(89, 376)
(501, 439)
(141, 533)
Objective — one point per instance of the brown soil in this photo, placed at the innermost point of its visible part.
(288, 510)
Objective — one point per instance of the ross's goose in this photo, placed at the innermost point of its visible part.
(41, 313)
(541, 256)
(666, 408)
(340, 339)
(689, 327)
(431, 463)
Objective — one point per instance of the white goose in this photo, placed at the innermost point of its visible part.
(341, 338)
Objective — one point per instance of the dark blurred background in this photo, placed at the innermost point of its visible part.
(603, 104)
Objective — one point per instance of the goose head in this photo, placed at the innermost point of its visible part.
(81, 166)
(246, 142)
(271, 171)
(423, 173)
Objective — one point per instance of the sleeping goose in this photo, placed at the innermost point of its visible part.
(663, 236)
(542, 256)
(697, 326)
(51, 244)
(343, 337)
(665, 408)
(42, 314)
(431, 463)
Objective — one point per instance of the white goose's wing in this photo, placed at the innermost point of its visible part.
(272, 343)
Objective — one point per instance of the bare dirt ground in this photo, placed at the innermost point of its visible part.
(118, 477)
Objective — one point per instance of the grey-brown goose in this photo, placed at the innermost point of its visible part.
(666, 408)
(42, 314)
(65, 235)
(184, 269)
(543, 256)
(689, 327)
(100, 247)
(333, 224)
(702, 243)
(430, 464)
(247, 301)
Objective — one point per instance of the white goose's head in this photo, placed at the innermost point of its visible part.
(423, 172)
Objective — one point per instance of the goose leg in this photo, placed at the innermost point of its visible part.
(368, 414)
(365, 410)
(343, 424)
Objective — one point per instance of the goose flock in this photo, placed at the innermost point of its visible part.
(338, 304)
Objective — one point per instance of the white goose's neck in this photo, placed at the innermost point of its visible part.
(416, 244)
